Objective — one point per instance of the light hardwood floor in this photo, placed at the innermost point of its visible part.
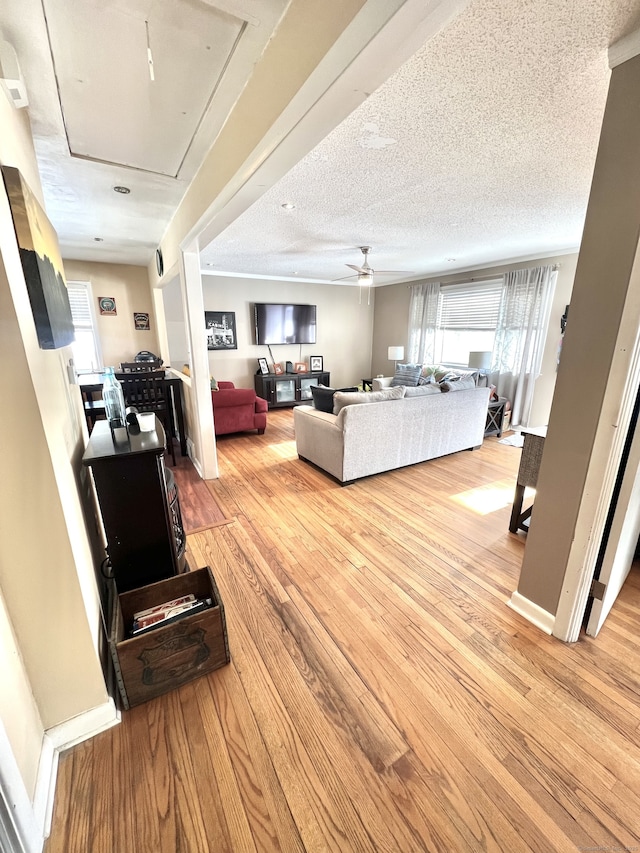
(381, 696)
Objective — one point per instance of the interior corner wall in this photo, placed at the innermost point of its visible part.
(344, 328)
(129, 286)
(391, 323)
(47, 577)
(595, 367)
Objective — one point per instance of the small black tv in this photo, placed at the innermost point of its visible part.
(285, 324)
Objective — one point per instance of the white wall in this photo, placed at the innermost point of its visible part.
(129, 286)
(391, 324)
(344, 328)
(47, 578)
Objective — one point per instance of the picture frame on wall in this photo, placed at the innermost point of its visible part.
(141, 321)
(220, 327)
(107, 306)
(264, 367)
(41, 263)
(315, 364)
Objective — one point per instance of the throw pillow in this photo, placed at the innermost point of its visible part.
(428, 372)
(322, 398)
(406, 374)
(342, 398)
(458, 385)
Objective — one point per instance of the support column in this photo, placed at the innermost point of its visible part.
(203, 433)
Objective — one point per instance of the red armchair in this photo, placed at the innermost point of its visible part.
(237, 409)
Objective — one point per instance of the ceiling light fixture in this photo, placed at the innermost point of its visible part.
(287, 205)
(99, 239)
(123, 190)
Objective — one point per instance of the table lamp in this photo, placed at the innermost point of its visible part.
(395, 354)
(481, 361)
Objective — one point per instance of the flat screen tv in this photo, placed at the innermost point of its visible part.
(285, 324)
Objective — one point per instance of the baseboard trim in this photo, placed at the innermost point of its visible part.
(56, 740)
(191, 453)
(532, 612)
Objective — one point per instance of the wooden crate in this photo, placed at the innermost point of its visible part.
(166, 657)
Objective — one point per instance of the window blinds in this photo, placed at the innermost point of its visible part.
(80, 306)
(470, 306)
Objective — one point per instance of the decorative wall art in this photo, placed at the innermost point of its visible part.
(107, 306)
(41, 264)
(141, 321)
(220, 328)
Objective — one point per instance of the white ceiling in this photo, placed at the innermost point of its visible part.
(478, 150)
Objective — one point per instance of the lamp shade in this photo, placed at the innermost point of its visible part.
(395, 353)
(481, 360)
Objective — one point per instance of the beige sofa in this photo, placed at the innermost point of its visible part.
(367, 438)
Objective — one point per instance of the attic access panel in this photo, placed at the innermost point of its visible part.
(113, 112)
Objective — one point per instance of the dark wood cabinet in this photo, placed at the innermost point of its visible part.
(139, 505)
(288, 389)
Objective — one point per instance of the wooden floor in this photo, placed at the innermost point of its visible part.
(381, 695)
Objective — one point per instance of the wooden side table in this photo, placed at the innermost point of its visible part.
(527, 476)
(495, 417)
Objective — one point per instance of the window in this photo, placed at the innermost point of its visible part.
(467, 320)
(87, 356)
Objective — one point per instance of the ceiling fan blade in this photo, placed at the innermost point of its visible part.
(394, 272)
(357, 269)
(344, 277)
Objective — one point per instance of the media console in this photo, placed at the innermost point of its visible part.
(288, 389)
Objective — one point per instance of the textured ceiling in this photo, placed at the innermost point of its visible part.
(479, 149)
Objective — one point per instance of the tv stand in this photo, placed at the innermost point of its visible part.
(288, 389)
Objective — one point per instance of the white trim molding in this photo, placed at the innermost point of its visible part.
(532, 612)
(55, 741)
(624, 49)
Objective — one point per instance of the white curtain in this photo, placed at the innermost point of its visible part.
(520, 336)
(423, 317)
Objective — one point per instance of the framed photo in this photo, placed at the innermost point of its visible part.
(315, 362)
(220, 328)
(141, 321)
(278, 369)
(264, 367)
(107, 305)
(300, 367)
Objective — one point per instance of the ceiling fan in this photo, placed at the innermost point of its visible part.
(365, 272)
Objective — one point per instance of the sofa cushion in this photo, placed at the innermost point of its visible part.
(423, 390)
(323, 397)
(458, 384)
(406, 374)
(345, 398)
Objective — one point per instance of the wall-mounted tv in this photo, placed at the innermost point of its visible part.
(285, 324)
